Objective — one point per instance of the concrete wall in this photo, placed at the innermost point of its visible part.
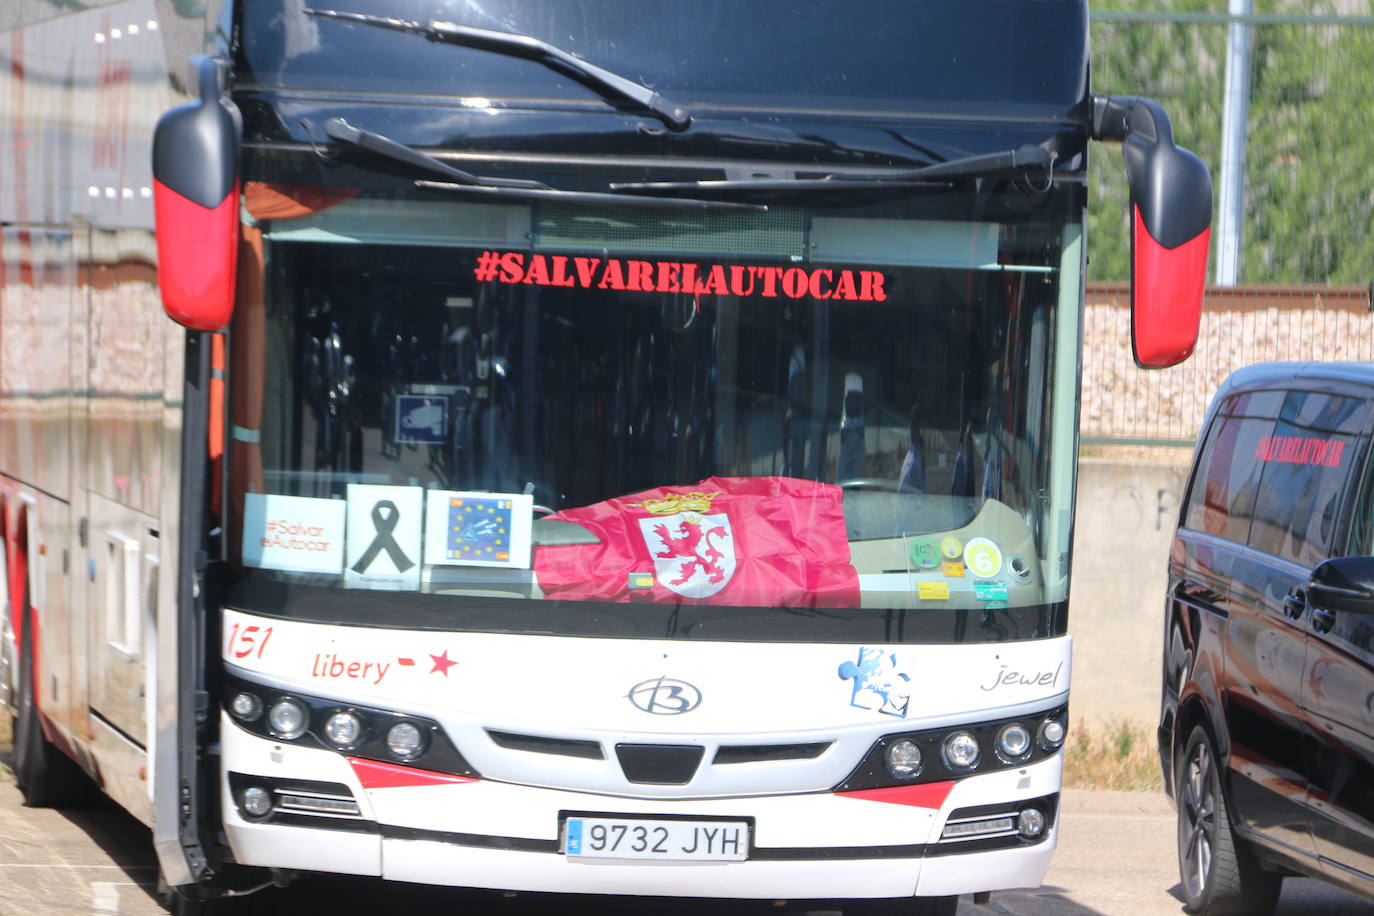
(1128, 505)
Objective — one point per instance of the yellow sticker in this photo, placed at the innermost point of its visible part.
(951, 547)
(983, 558)
(932, 591)
(953, 569)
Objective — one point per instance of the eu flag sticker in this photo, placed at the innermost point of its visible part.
(478, 529)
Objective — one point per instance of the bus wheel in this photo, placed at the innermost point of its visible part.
(904, 906)
(1220, 875)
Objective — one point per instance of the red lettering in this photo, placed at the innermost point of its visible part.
(872, 282)
(560, 271)
(512, 267)
(336, 667)
(815, 287)
(715, 281)
(844, 287)
(538, 272)
(737, 275)
(586, 270)
(770, 281)
(667, 277)
(1300, 450)
(612, 278)
(354, 668)
(794, 282)
(690, 282)
(641, 276)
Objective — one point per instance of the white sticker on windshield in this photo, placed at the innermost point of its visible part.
(293, 533)
(384, 531)
(478, 529)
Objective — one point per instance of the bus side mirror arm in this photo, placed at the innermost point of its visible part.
(1171, 227)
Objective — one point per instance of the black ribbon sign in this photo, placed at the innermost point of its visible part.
(384, 525)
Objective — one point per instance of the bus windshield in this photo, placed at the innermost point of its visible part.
(834, 420)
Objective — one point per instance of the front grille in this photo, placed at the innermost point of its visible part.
(659, 764)
(753, 753)
(540, 744)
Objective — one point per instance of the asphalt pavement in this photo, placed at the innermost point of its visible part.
(1115, 858)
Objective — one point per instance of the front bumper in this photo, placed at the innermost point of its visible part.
(487, 834)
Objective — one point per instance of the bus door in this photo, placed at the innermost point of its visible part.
(119, 531)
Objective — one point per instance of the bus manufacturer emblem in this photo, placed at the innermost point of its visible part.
(665, 696)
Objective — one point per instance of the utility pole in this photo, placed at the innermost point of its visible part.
(1235, 115)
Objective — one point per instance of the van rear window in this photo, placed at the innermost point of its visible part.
(1306, 467)
(1273, 471)
(1222, 499)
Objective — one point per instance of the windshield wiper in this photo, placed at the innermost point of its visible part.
(518, 188)
(1017, 162)
(610, 86)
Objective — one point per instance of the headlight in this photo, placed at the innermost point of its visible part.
(343, 729)
(245, 707)
(1051, 734)
(961, 751)
(1030, 823)
(405, 741)
(287, 719)
(1014, 741)
(904, 759)
(256, 801)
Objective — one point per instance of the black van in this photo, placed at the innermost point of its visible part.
(1266, 732)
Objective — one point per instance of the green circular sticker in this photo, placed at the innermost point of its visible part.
(924, 553)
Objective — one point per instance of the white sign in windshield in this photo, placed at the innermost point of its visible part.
(294, 533)
(385, 528)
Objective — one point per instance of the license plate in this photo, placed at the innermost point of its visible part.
(660, 841)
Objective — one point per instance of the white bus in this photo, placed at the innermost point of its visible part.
(601, 447)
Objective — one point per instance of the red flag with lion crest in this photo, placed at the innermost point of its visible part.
(757, 541)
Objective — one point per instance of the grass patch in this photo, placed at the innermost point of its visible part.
(1117, 754)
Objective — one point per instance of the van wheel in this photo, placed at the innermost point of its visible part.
(1220, 876)
(46, 776)
(903, 906)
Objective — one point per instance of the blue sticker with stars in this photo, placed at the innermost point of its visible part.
(479, 528)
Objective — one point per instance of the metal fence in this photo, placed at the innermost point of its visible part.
(1307, 192)
(1240, 325)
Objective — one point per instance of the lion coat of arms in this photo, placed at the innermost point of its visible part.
(694, 553)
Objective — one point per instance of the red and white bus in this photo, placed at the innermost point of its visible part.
(596, 446)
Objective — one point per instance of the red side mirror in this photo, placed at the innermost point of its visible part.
(196, 204)
(1171, 226)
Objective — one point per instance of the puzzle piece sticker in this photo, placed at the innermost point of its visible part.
(877, 684)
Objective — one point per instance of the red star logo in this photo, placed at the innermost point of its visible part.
(442, 663)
